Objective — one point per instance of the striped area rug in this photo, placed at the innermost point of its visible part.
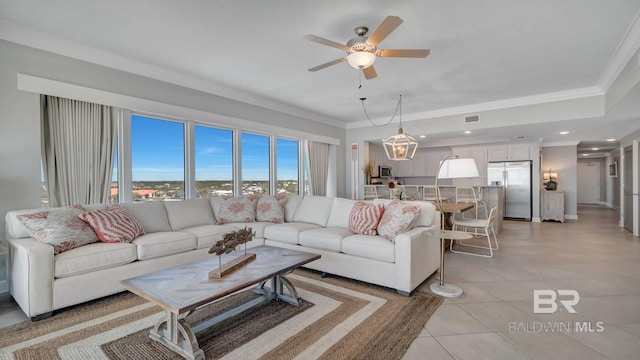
(339, 319)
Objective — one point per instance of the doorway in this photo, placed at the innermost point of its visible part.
(588, 182)
(627, 189)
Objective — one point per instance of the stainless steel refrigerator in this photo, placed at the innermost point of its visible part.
(515, 176)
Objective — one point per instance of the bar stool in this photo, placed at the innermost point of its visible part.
(370, 192)
(430, 193)
(467, 195)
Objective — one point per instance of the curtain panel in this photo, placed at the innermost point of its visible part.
(318, 161)
(78, 149)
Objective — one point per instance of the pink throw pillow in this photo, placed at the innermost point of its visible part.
(238, 209)
(113, 225)
(271, 208)
(60, 228)
(364, 218)
(397, 219)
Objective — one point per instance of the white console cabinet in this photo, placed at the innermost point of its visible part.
(552, 205)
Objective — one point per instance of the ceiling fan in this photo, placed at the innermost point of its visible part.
(362, 50)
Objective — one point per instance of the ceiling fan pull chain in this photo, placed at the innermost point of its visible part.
(362, 99)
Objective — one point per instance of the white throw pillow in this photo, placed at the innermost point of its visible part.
(60, 228)
(238, 209)
(397, 218)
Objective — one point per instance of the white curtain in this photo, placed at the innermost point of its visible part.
(78, 147)
(318, 160)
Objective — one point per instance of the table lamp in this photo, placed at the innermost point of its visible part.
(450, 168)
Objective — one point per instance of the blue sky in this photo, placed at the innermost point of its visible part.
(157, 153)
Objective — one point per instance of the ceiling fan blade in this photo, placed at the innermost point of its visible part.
(324, 41)
(409, 53)
(325, 65)
(388, 25)
(370, 73)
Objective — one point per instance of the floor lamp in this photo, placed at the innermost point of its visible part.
(450, 168)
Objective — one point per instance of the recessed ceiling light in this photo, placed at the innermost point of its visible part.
(610, 140)
(468, 132)
(564, 132)
(595, 149)
(585, 154)
(423, 136)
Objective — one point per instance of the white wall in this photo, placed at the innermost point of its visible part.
(20, 116)
(563, 160)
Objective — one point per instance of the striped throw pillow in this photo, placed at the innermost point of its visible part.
(364, 218)
(113, 224)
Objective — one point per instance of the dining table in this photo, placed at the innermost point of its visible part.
(449, 209)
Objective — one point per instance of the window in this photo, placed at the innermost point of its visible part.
(157, 159)
(255, 164)
(213, 161)
(113, 191)
(287, 166)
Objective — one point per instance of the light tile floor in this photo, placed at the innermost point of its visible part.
(591, 255)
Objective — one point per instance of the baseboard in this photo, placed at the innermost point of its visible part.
(535, 219)
(571, 217)
(613, 206)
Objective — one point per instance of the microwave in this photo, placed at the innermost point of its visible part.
(384, 171)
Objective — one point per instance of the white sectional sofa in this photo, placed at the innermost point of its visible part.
(182, 232)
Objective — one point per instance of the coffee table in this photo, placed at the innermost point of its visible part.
(180, 290)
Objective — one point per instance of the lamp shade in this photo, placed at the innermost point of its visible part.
(454, 168)
(400, 146)
(361, 59)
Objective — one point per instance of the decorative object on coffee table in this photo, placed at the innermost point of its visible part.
(230, 241)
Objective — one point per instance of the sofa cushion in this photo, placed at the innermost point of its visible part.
(314, 210)
(113, 224)
(324, 238)
(189, 213)
(238, 209)
(164, 243)
(364, 218)
(208, 234)
(271, 208)
(369, 246)
(93, 257)
(287, 232)
(340, 211)
(397, 218)
(61, 228)
(151, 215)
(291, 204)
(427, 215)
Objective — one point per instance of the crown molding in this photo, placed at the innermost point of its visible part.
(35, 39)
(560, 143)
(625, 51)
(495, 105)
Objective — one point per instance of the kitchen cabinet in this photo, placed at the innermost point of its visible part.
(514, 152)
(552, 205)
(415, 167)
(420, 163)
(377, 155)
(433, 161)
(479, 154)
(404, 168)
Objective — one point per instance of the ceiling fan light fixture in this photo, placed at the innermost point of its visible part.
(361, 59)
